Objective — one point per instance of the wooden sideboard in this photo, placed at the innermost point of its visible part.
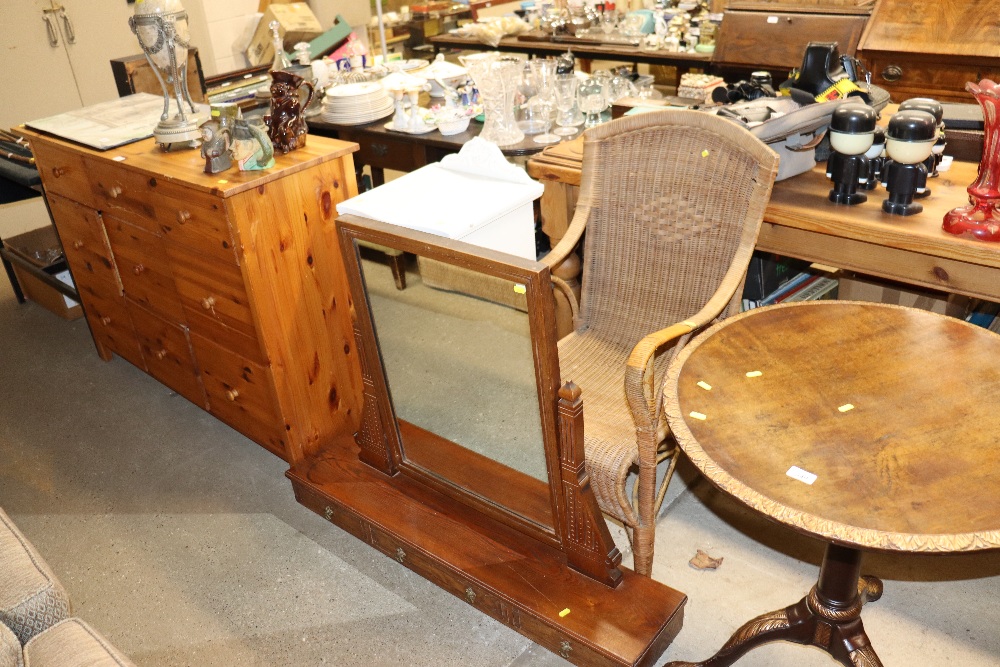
(228, 288)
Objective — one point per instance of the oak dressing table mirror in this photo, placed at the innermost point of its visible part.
(468, 465)
(462, 392)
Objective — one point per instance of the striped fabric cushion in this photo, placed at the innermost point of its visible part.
(31, 598)
(72, 643)
(10, 648)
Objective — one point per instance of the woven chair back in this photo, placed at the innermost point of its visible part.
(669, 200)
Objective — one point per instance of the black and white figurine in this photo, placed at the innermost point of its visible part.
(876, 158)
(934, 108)
(909, 140)
(852, 131)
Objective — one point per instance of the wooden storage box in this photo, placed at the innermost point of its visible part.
(24, 246)
(930, 48)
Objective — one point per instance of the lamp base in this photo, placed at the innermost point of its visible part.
(167, 133)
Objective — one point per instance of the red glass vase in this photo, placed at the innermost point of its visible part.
(981, 218)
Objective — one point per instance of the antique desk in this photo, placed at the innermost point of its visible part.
(383, 149)
(801, 222)
(860, 424)
(227, 288)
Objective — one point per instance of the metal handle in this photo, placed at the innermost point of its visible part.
(183, 216)
(105, 320)
(892, 73)
(138, 268)
(114, 191)
(58, 171)
(208, 302)
(50, 27)
(68, 26)
(232, 394)
(77, 244)
(160, 354)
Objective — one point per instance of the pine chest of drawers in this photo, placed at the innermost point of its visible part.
(227, 288)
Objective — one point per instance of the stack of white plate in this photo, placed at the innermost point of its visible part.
(356, 104)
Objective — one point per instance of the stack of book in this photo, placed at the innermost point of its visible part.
(772, 279)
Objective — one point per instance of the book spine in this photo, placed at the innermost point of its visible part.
(815, 291)
(787, 287)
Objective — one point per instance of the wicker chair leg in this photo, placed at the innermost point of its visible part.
(643, 538)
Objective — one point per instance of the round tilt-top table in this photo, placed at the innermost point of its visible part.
(867, 425)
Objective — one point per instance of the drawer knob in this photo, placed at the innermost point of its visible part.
(138, 268)
(892, 73)
(208, 303)
(183, 216)
(105, 320)
(58, 171)
(160, 354)
(115, 191)
(78, 244)
(232, 394)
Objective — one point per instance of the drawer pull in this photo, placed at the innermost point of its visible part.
(78, 244)
(160, 354)
(232, 394)
(138, 268)
(115, 191)
(105, 320)
(208, 303)
(183, 216)
(58, 171)
(892, 73)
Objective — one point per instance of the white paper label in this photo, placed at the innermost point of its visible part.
(798, 473)
(772, 19)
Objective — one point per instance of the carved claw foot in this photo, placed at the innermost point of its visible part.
(869, 588)
(769, 627)
(865, 657)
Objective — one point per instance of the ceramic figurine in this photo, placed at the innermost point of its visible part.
(876, 158)
(217, 138)
(852, 133)
(908, 144)
(252, 149)
(934, 108)
(286, 125)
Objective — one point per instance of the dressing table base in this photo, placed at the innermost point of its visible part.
(516, 580)
(828, 618)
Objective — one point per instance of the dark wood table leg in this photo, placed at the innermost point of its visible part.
(829, 617)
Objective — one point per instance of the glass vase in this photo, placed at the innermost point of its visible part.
(980, 218)
(496, 77)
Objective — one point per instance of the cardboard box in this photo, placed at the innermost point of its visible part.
(40, 247)
(297, 23)
(854, 287)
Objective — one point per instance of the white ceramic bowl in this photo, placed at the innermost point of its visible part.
(453, 126)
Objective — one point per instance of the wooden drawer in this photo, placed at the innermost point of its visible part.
(144, 268)
(906, 75)
(198, 223)
(215, 302)
(240, 393)
(84, 243)
(166, 350)
(778, 39)
(64, 173)
(110, 323)
(385, 152)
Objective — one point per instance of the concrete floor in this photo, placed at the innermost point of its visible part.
(180, 540)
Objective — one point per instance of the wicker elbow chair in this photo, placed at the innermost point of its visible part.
(672, 203)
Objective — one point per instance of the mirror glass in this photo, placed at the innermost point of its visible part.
(457, 353)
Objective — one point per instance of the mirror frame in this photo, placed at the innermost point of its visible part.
(578, 528)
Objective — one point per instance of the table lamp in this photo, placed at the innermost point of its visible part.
(161, 26)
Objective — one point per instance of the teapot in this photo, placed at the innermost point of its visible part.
(286, 124)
